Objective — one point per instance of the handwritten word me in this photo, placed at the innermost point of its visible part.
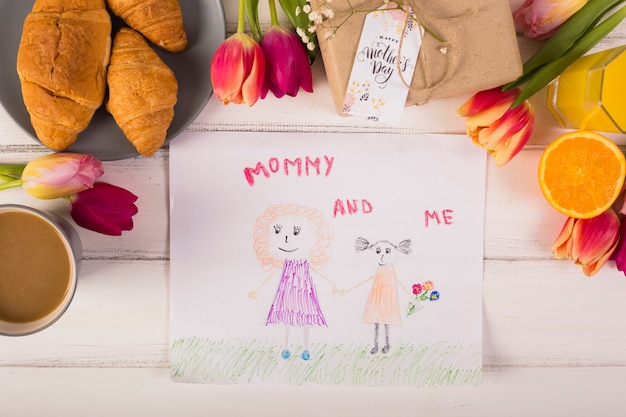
(352, 207)
(444, 217)
(306, 166)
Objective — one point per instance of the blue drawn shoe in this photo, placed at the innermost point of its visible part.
(285, 354)
(385, 349)
(374, 350)
(306, 355)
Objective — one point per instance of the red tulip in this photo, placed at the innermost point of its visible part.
(238, 70)
(589, 242)
(493, 124)
(105, 209)
(288, 68)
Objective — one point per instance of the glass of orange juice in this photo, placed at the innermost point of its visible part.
(591, 93)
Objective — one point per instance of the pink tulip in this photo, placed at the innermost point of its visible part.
(288, 68)
(238, 70)
(540, 18)
(105, 209)
(619, 255)
(493, 124)
(60, 174)
(589, 242)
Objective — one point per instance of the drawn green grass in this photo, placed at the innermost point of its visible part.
(241, 361)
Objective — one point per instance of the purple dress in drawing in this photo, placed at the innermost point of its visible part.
(296, 302)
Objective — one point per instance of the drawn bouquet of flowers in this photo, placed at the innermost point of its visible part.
(423, 292)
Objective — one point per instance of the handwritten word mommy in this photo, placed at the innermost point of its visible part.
(383, 59)
(300, 166)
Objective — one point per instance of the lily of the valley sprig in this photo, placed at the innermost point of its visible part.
(245, 68)
(97, 206)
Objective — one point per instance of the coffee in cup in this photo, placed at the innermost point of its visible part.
(39, 256)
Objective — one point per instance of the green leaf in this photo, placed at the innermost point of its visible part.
(300, 21)
(545, 74)
(411, 309)
(565, 37)
(252, 12)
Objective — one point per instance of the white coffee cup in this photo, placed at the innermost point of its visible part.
(39, 257)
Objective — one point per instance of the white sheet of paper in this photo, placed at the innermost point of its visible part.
(359, 220)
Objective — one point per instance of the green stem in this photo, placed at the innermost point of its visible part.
(548, 72)
(241, 21)
(10, 184)
(273, 14)
(12, 169)
(4, 177)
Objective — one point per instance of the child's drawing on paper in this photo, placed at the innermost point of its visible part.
(288, 220)
(383, 305)
(294, 240)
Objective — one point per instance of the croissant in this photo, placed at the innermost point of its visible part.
(61, 62)
(142, 91)
(160, 21)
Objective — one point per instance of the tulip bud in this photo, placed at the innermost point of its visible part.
(238, 70)
(288, 68)
(589, 242)
(105, 209)
(539, 19)
(493, 124)
(60, 174)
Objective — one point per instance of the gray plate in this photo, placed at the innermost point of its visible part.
(206, 29)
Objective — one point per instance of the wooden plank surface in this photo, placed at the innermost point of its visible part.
(554, 340)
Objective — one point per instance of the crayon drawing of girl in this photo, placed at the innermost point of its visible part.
(382, 305)
(294, 240)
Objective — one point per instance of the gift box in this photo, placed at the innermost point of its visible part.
(477, 47)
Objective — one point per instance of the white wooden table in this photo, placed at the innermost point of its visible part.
(554, 340)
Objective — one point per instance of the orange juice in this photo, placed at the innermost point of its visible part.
(591, 93)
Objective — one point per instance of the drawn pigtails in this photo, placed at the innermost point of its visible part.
(361, 244)
(405, 247)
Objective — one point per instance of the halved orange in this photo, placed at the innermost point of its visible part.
(581, 173)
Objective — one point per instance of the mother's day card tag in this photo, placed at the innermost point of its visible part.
(376, 91)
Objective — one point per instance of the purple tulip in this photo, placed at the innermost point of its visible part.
(105, 209)
(287, 63)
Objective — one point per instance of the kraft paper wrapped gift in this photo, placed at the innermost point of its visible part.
(480, 49)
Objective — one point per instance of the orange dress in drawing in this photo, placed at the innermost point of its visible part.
(382, 305)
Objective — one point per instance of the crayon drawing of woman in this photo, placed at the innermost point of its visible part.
(294, 240)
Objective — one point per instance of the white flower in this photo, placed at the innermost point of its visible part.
(306, 8)
(328, 13)
(310, 46)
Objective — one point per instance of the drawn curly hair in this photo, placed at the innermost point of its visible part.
(321, 229)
